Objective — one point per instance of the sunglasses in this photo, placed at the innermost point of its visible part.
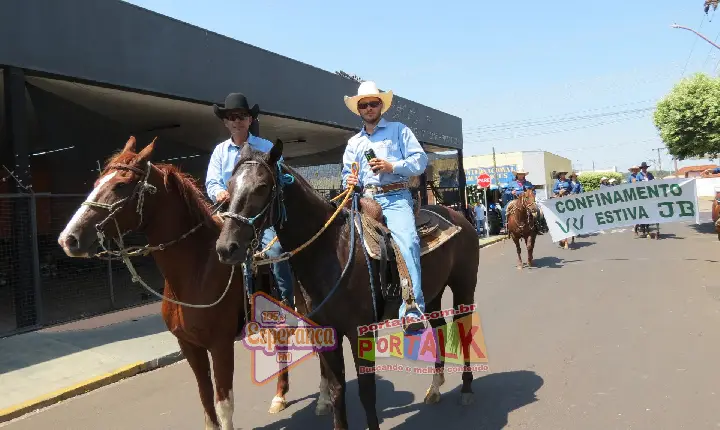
(237, 116)
(372, 104)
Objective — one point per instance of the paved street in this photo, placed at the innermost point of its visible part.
(620, 333)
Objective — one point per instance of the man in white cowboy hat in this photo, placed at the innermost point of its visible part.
(611, 182)
(604, 182)
(635, 175)
(388, 155)
(238, 116)
(562, 184)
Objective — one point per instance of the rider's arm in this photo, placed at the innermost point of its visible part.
(349, 157)
(213, 180)
(556, 188)
(415, 157)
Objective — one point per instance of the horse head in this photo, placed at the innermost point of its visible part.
(254, 187)
(113, 200)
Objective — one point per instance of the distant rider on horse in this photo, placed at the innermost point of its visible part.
(515, 189)
(388, 154)
(238, 117)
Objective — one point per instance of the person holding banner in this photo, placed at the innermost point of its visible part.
(643, 170)
(562, 185)
(635, 174)
(577, 187)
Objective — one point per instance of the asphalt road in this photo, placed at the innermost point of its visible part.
(620, 333)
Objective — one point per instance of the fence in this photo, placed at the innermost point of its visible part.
(40, 285)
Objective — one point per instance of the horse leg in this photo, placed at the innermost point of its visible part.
(366, 383)
(324, 405)
(517, 247)
(279, 402)
(530, 248)
(335, 371)
(432, 395)
(463, 288)
(199, 362)
(223, 360)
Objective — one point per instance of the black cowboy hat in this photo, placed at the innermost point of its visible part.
(644, 164)
(235, 101)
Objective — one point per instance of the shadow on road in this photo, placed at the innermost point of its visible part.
(496, 396)
(548, 263)
(579, 245)
(707, 227)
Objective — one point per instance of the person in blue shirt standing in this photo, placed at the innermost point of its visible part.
(577, 187)
(644, 170)
(238, 117)
(388, 154)
(562, 185)
(635, 174)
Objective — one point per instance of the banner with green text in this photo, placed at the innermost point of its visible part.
(648, 202)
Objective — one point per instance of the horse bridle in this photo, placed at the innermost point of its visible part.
(140, 189)
(276, 195)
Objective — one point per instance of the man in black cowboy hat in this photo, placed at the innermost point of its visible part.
(238, 116)
(647, 176)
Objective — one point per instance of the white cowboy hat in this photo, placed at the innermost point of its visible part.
(369, 89)
(612, 180)
(634, 167)
(604, 178)
(520, 172)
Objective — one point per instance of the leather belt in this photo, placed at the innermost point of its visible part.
(386, 188)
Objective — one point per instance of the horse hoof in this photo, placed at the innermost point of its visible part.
(277, 405)
(432, 396)
(467, 399)
(323, 409)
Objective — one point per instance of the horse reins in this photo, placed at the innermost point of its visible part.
(124, 253)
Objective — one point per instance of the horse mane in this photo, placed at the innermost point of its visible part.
(187, 186)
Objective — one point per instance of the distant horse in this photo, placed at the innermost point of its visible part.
(521, 224)
(330, 270)
(133, 194)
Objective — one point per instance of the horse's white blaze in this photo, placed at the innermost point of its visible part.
(224, 410)
(83, 208)
(239, 180)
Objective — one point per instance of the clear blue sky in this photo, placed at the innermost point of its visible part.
(494, 63)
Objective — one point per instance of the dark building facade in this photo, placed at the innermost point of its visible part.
(80, 76)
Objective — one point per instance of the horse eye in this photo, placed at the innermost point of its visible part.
(119, 185)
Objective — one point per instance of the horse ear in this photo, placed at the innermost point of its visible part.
(276, 151)
(130, 145)
(146, 152)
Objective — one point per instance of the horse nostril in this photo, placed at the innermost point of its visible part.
(71, 242)
(233, 247)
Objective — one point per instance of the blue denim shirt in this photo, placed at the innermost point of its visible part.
(391, 141)
(638, 177)
(577, 187)
(518, 187)
(560, 185)
(223, 160)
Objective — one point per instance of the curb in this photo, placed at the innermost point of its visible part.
(91, 384)
(492, 241)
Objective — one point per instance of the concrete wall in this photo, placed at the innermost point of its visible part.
(118, 44)
(706, 186)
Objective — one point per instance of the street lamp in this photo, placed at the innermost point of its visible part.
(690, 29)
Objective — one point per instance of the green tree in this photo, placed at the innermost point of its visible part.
(688, 118)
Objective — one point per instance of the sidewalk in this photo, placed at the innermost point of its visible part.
(41, 368)
(487, 241)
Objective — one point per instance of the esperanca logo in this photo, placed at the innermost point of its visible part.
(459, 341)
(280, 338)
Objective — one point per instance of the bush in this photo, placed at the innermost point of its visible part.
(591, 180)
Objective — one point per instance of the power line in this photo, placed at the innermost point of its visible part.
(692, 49)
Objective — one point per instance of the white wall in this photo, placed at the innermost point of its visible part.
(534, 162)
(706, 186)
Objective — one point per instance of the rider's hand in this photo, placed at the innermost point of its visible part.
(378, 166)
(514, 192)
(352, 179)
(222, 196)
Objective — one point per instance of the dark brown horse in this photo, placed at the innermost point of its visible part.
(326, 271)
(522, 225)
(133, 194)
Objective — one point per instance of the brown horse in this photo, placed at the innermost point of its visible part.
(133, 194)
(332, 272)
(521, 224)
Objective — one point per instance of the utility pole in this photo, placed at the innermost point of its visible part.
(497, 183)
(659, 158)
(593, 165)
(700, 35)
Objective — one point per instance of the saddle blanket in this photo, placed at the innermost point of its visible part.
(432, 228)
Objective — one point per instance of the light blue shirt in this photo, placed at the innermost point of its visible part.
(391, 141)
(518, 187)
(223, 160)
(638, 177)
(562, 185)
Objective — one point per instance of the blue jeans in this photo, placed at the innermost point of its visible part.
(281, 270)
(397, 207)
(479, 225)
